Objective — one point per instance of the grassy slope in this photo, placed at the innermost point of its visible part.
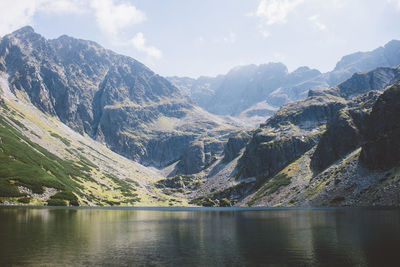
(44, 162)
(344, 183)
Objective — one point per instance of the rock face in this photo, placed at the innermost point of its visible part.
(376, 79)
(343, 110)
(265, 155)
(382, 147)
(112, 98)
(235, 144)
(200, 90)
(288, 134)
(306, 142)
(388, 55)
(308, 149)
(244, 87)
(344, 131)
(340, 138)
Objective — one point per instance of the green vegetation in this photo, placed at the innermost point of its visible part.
(178, 184)
(35, 134)
(273, 185)
(18, 123)
(67, 196)
(25, 163)
(223, 198)
(205, 201)
(24, 200)
(225, 202)
(125, 188)
(56, 202)
(62, 139)
(113, 203)
(7, 190)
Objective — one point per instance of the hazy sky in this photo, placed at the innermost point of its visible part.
(208, 37)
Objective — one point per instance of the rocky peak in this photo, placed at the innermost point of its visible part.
(392, 52)
(381, 149)
(112, 98)
(376, 79)
(24, 30)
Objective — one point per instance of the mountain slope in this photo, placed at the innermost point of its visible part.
(244, 86)
(251, 91)
(45, 162)
(65, 103)
(112, 98)
(367, 173)
(317, 151)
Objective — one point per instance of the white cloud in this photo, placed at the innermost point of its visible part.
(230, 38)
(112, 17)
(264, 32)
(15, 14)
(317, 23)
(395, 2)
(273, 12)
(18, 13)
(139, 42)
(63, 6)
(276, 11)
(279, 57)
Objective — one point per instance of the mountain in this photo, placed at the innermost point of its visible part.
(44, 162)
(335, 147)
(114, 99)
(244, 86)
(82, 125)
(388, 55)
(250, 91)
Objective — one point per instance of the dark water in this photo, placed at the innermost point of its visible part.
(278, 237)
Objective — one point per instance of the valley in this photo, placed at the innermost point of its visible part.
(82, 125)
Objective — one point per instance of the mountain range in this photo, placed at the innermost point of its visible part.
(82, 125)
(256, 92)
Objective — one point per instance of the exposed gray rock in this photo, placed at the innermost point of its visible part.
(245, 86)
(193, 159)
(389, 55)
(344, 131)
(340, 138)
(382, 147)
(267, 152)
(235, 144)
(112, 98)
(376, 79)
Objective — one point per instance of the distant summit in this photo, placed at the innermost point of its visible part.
(252, 88)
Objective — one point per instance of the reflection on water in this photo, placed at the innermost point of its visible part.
(338, 237)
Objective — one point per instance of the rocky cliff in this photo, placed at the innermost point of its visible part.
(337, 146)
(244, 88)
(382, 132)
(316, 151)
(112, 98)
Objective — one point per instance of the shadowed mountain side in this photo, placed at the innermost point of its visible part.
(112, 98)
(323, 142)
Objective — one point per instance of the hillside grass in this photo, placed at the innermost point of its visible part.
(272, 186)
(24, 163)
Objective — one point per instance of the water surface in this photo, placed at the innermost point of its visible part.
(218, 237)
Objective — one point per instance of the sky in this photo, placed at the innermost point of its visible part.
(209, 37)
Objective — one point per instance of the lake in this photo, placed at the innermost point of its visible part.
(199, 237)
